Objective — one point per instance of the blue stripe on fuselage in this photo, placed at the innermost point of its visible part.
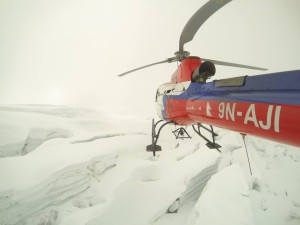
(164, 113)
(276, 88)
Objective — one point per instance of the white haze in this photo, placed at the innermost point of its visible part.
(70, 52)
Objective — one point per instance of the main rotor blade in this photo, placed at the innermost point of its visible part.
(169, 60)
(233, 64)
(198, 19)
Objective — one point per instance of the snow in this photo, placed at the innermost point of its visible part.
(66, 165)
(225, 200)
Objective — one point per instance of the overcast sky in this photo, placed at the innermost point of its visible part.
(70, 52)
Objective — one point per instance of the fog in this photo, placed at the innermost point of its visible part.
(70, 52)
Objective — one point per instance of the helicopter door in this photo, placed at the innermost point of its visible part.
(178, 89)
(162, 96)
(177, 106)
(168, 91)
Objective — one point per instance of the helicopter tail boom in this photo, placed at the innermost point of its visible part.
(267, 105)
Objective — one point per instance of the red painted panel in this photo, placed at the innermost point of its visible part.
(279, 123)
(176, 110)
(185, 70)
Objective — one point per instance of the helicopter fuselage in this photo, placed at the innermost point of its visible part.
(266, 106)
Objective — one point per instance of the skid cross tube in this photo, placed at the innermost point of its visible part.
(211, 144)
(180, 133)
(159, 130)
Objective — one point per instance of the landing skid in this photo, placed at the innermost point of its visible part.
(154, 147)
(210, 144)
(181, 133)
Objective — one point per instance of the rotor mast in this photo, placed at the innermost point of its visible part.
(188, 33)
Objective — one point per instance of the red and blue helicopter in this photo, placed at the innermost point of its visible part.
(267, 106)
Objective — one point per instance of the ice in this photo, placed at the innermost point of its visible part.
(103, 136)
(225, 200)
(74, 166)
(155, 188)
(17, 206)
(35, 138)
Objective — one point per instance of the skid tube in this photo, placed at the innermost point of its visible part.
(181, 131)
(210, 144)
(154, 147)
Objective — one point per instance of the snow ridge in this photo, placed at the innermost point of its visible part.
(16, 207)
(92, 168)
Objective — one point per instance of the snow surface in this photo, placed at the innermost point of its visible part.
(66, 165)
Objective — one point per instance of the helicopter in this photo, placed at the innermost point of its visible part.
(266, 106)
